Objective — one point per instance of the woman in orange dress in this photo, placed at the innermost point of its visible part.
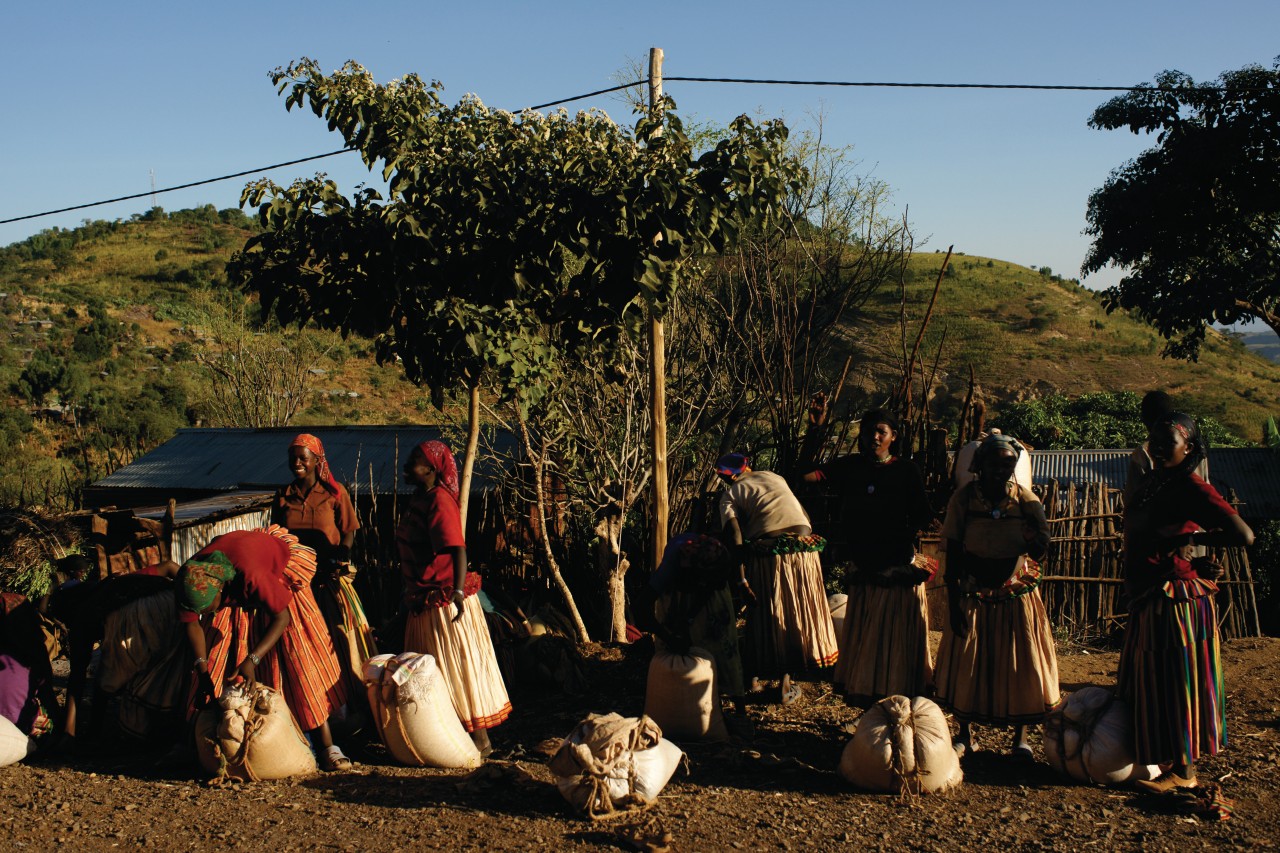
(445, 618)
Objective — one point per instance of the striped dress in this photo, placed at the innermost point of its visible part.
(1170, 666)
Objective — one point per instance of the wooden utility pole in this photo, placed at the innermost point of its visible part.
(658, 368)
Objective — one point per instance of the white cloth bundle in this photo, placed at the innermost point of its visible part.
(250, 734)
(682, 695)
(902, 745)
(610, 763)
(1089, 737)
(14, 745)
(414, 714)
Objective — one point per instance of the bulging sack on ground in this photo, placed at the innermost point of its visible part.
(611, 763)
(414, 714)
(14, 745)
(902, 745)
(838, 603)
(682, 695)
(1089, 737)
(250, 734)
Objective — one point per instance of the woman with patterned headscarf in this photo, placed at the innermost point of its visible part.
(317, 509)
(249, 612)
(1170, 672)
(445, 618)
(997, 664)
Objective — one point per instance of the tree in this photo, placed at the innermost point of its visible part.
(40, 377)
(1196, 219)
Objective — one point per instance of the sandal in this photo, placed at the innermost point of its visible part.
(334, 760)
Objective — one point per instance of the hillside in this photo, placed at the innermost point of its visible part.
(115, 317)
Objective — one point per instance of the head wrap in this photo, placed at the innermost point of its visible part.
(323, 474)
(732, 464)
(993, 444)
(440, 458)
(201, 579)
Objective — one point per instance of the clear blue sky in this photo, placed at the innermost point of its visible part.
(100, 95)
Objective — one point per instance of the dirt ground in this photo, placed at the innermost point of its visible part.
(777, 790)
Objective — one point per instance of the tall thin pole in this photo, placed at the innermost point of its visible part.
(658, 369)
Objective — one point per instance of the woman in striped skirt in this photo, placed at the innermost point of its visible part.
(1170, 671)
(249, 612)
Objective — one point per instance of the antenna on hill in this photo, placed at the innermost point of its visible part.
(153, 188)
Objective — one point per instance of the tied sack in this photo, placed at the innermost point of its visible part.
(682, 695)
(610, 763)
(250, 734)
(14, 745)
(838, 604)
(414, 714)
(1089, 737)
(902, 745)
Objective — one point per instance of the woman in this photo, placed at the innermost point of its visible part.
(1170, 672)
(445, 618)
(317, 509)
(246, 603)
(997, 664)
(883, 507)
(788, 621)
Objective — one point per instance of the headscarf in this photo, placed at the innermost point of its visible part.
(992, 444)
(440, 458)
(201, 579)
(732, 464)
(310, 442)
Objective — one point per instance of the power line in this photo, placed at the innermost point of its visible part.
(569, 100)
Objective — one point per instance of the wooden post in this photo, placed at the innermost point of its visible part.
(657, 372)
(469, 457)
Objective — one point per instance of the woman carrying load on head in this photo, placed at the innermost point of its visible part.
(1170, 672)
(997, 663)
(883, 507)
(249, 612)
(317, 509)
(445, 618)
(788, 622)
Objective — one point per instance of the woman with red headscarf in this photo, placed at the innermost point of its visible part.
(246, 603)
(317, 509)
(445, 619)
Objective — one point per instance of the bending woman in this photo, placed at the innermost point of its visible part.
(997, 663)
(1170, 672)
(445, 618)
(883, 506)
(246, 602)
(317, 509)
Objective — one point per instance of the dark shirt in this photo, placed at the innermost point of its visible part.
(882, 508)
(1182, 505)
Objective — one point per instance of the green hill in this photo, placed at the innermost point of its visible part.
(117, 315)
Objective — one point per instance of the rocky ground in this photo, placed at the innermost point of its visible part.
(775, 790)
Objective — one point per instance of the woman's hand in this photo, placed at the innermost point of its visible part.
(458, 599)
(818, 409)
(748, 594)
(247, 670)
(204, 688)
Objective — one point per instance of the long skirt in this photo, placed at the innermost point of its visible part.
(349, 629)
(1171, 675)
(302, 665)
(789, 626)
(714, 628)
(885, 647)
(1004, 671)
(465, 654)
(146, 662)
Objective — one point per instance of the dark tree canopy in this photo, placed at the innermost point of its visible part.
(1196, 219)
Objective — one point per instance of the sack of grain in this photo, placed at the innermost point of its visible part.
(964, 459)
(414, 714)
(250, 734)
(902, 745)
(682, 695)
(838, 603)
(1089, 737)
(611, 763)
(14, 745)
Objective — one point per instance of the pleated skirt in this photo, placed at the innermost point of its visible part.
(146, 662)
(885, 647)
(1171, 675)
(464, 652)
(789, 627)
(349, 630)
(302, 666)
(1005, 670)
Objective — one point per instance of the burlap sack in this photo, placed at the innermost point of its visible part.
(902, 745)
(14, 745)
(414, 714)
(250, 734)
(610, 763)
(838, 603)
(682, 695)
(1089, 737)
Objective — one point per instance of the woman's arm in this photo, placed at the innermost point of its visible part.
(248, 667)
(204, 682)
(459, 554)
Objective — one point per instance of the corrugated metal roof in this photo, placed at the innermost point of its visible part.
(224, 460)
(1253, 473)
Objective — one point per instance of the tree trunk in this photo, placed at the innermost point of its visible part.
(613, 565)
(469, 460)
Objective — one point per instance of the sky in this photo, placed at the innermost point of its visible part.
(104, 98)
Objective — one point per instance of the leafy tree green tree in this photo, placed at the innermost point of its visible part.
(1090, 421)
(40, 377)
(1195, 220)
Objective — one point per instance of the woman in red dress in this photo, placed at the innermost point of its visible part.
(445, 618)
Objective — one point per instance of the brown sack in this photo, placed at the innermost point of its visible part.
(683, 697)
(902, 745)
(250, 734)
